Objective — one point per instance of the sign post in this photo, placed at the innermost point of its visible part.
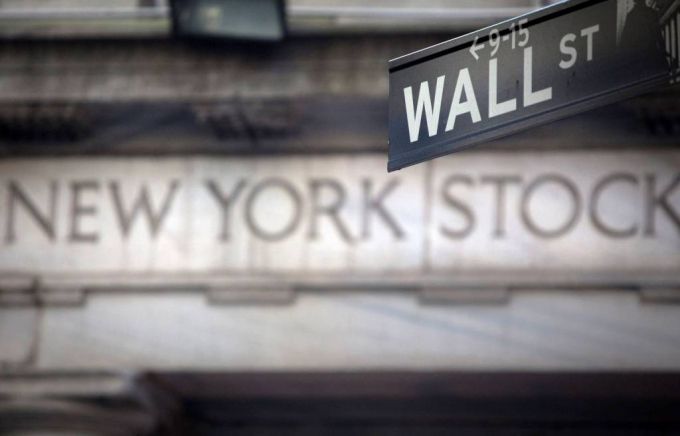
(537, 68)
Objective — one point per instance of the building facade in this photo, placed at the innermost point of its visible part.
(202, 237)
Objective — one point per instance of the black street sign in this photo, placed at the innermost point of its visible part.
(539, 67)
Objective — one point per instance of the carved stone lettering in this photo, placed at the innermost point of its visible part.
(522, 212)
(141, 206)
(45, 221)
(80, 210)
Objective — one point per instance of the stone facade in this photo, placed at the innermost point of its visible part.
(177, 219)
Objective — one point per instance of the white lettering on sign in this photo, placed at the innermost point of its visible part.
(495, 108)
(465, 96)
(463, 85)
(424, 104)
(567, 48)
(588, 33)
(531, 97)
(496, 36)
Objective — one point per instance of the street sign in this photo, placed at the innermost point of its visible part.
(539, 67)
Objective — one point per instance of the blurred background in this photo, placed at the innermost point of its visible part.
(198, 234)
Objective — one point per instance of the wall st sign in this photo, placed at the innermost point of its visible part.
(540, 67)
